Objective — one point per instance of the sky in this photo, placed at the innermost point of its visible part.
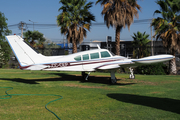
(45, 12)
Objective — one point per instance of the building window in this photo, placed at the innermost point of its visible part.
(94, 55)
(105, 54)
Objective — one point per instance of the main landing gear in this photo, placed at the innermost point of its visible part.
(113, 78)
(85, 76)
(131, 76)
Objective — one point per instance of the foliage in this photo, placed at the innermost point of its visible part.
(119, 14)
(48, 48)
(35, 38)
(3, 27)
(51, 45)
(140, 45)
(75, 19)
(5, 50)
(167, 27)
(153, 69)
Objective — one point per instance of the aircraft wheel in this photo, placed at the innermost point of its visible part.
(113, 81)
(131, 76)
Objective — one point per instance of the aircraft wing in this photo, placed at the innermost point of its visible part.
(153, 59)
(135, 62)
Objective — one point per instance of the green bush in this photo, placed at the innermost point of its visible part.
(153, 69)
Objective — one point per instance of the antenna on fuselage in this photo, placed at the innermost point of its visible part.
(98, 46)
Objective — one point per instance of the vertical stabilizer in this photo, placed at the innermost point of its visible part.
(23, 51)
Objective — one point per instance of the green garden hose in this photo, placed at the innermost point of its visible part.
(8, 96)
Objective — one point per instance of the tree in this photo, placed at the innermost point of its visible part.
(35, 39)
(140, 44)
(5, 50)
(74, 20)
(119, 14)
(167, 28)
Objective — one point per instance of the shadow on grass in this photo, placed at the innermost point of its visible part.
(91, 79)
(66, 77)
(27, 81)
(166, 104)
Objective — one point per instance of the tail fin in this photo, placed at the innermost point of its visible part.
(24, 53)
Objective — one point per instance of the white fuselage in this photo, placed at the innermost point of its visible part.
(82, 61)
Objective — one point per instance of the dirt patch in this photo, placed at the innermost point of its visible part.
(137, 81)
(84, 86)
(155, 92)
(148, 83)
(168, 82)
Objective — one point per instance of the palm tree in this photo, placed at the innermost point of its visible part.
(32, 36)
(167, 28)
(74, 20)
(119, 14)
(140, 44)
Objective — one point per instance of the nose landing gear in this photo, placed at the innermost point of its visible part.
(131, 76)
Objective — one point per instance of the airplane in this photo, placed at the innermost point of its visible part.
(86, 61)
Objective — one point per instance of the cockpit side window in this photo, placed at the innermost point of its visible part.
(105, 54)
(86, 57)
(78, 58)
(94, 55)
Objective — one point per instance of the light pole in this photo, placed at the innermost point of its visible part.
(152, 46)
(33, 23)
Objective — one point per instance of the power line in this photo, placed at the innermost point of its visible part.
(15, 25)
(53, 26)
(50, 26)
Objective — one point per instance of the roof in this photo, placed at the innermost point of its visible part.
(96, 41)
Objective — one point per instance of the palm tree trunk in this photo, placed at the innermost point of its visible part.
(118, 30)
(141, 52)
(172, 66)
(74, 46)
(74, 37)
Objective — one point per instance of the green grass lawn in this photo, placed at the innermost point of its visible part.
(148, 97)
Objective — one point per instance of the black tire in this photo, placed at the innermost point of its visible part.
(113, 81)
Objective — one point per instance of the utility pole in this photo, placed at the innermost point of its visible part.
(108, 42)
(152, 46)
(22, 26)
